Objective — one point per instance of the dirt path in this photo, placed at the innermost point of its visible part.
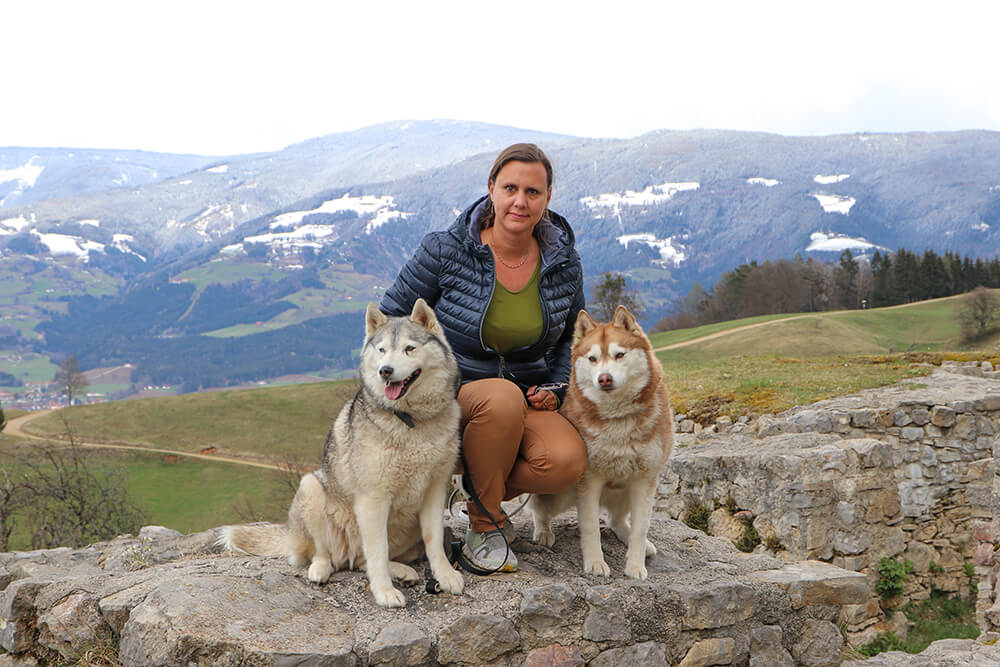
(720, 334)
(15, 427)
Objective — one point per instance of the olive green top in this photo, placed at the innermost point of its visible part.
(514, 319)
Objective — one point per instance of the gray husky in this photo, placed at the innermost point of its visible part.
(376, 501)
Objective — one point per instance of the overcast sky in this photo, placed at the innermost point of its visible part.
(220, 77)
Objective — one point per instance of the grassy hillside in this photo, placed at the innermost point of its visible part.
(791, 360)
(272, 423)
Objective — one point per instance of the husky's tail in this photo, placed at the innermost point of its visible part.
(258, 539)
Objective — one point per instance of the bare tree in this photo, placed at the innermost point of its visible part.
(611, 291)
(70, 378)
(977, 312)
(65, 500)
(11, 501)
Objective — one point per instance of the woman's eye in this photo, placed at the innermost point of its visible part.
(508, 188)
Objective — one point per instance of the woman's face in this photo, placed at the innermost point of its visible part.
(520, 195)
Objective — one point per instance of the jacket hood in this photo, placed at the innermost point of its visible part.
(553, 232)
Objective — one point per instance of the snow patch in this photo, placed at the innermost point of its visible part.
(830, 242)
(25, 175)
(15, 224)
(121, 180)
(185, 182)
(827, 180)
(220, 169)
(303, 236)
(651, 195)
(63, 244)
(835, 203)
(670, 254)
(119, 241)
(381, 207)
(766, 182)
(219, 216)
(90, 221)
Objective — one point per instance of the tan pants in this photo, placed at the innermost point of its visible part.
(511, 448)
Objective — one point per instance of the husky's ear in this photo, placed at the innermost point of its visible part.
(424, 316)
(374, 320)
(626, 320)
(584, 325)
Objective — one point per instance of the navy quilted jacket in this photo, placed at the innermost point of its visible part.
(454, 272)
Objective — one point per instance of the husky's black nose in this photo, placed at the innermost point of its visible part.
(386, 372)
(606, 381)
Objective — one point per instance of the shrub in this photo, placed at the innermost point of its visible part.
(891, 577)
(696, 516)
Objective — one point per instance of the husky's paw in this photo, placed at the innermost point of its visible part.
(597, 567)
(403, 574)
(451, 581)
(319, 571)
(544, 536)
(636, 570)
(650, 549)
(389, 597)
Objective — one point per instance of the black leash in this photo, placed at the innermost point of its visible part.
(454, 550)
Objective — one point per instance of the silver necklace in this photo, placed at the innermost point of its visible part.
(500, 257)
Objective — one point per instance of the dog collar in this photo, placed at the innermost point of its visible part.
(404, 417)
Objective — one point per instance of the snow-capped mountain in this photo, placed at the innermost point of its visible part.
(274, 241)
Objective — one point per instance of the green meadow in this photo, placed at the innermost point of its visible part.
(790, 360)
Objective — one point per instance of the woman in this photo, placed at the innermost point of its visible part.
(506, 284)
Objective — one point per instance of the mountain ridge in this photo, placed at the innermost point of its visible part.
(667, 208)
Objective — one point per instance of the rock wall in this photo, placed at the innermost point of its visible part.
(168, 599)
(903, 472)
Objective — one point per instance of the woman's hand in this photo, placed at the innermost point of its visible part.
(542, 399)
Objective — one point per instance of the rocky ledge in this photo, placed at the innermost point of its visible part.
(166, 599)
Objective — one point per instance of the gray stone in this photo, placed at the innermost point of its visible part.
(73, 625)
(547, 608)
(647, 653)
(766, 649)
(989, 403)
(920, 416)
(912, 433)
(401, 644)
(710, 652)
(819, 645)
(477, 639)
(232, 620)
(716, 605)
(817, 583)
(942, 416)
(901, 418)
(606, 620)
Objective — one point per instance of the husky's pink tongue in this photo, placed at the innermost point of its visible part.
(393, 390)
